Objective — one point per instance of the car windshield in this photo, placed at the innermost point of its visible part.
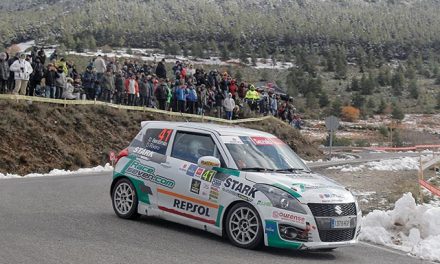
(263, 154)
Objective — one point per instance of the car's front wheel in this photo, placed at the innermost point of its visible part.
(124, 199)
(243, 226)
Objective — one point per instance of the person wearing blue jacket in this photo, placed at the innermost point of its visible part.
(181, 93)
(191, 98)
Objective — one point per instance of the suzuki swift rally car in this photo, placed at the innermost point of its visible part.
(241, 183)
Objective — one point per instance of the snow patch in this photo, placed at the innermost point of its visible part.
(409, 227)
(402, 164)
(57, 172)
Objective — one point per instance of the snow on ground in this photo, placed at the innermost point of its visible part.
(25, 45)
(409, 227)
(56, 172)
(404, 163)
(340, 158)
(148, 55)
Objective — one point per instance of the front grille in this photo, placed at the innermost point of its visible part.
(325, 210)
(337, 235)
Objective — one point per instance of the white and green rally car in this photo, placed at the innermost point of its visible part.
(242, 183)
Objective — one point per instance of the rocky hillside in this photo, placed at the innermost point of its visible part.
(39, 137)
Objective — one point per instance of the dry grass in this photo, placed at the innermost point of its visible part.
(39, 137)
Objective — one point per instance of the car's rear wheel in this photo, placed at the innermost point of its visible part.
(243, 226)
(124, 199)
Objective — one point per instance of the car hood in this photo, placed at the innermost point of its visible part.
(306, 187)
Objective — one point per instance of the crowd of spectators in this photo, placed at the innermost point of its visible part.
(185, 89)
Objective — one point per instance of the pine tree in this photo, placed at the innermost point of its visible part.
(355, 84)
(336, 107)
(92, 43)
(254, 59)
(397, 112)
(384, 77)
(413, 89)
(196, 50)
(323, 99)
(340, 65)
(397, 84)
(438, 101)
(410, 72)
(330, 64)
(382, 106)
(224, 52)
(358, 100)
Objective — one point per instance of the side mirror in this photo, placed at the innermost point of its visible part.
(208, 162)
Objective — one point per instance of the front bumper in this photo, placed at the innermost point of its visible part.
(309, 232)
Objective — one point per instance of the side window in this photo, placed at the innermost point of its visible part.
(191, 146)
(157, 139)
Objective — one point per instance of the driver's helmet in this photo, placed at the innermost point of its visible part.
(194, 148)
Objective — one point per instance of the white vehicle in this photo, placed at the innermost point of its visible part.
(245, 184)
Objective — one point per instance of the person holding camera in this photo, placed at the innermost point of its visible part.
(22, 71)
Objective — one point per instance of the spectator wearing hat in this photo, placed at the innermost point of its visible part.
(22, 70)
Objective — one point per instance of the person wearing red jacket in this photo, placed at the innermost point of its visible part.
(132, 89)
(233, 87)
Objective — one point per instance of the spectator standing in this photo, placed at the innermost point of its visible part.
(119, 88)
(233, 88)
(132, 89)
(36, 76)
(42, 56)
(50, 77)
(22, 70)
(108, 86)
(161, 71)
(252, 97)
(143, 92)
(4, 72)
(191, 99)
(181, 93)
(161, 93)
(88, 81)
(100, 68)
(11, 80)
(60, 82)
(219, 103)
(229, 105)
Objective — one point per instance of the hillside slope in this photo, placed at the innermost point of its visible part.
(40, 137)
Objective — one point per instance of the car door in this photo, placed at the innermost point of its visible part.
(148, 154)
(193, 198)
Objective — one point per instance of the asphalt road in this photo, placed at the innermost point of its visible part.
(69, 219)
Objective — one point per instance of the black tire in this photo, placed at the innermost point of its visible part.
(244, 227)
(121, 203)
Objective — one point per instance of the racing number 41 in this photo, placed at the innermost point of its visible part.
(165, 135)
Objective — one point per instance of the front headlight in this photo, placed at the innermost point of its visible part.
(281, 199)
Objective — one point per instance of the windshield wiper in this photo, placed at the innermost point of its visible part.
(256, 169)
(292, 170)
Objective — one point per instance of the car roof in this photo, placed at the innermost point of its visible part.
(222, 130)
